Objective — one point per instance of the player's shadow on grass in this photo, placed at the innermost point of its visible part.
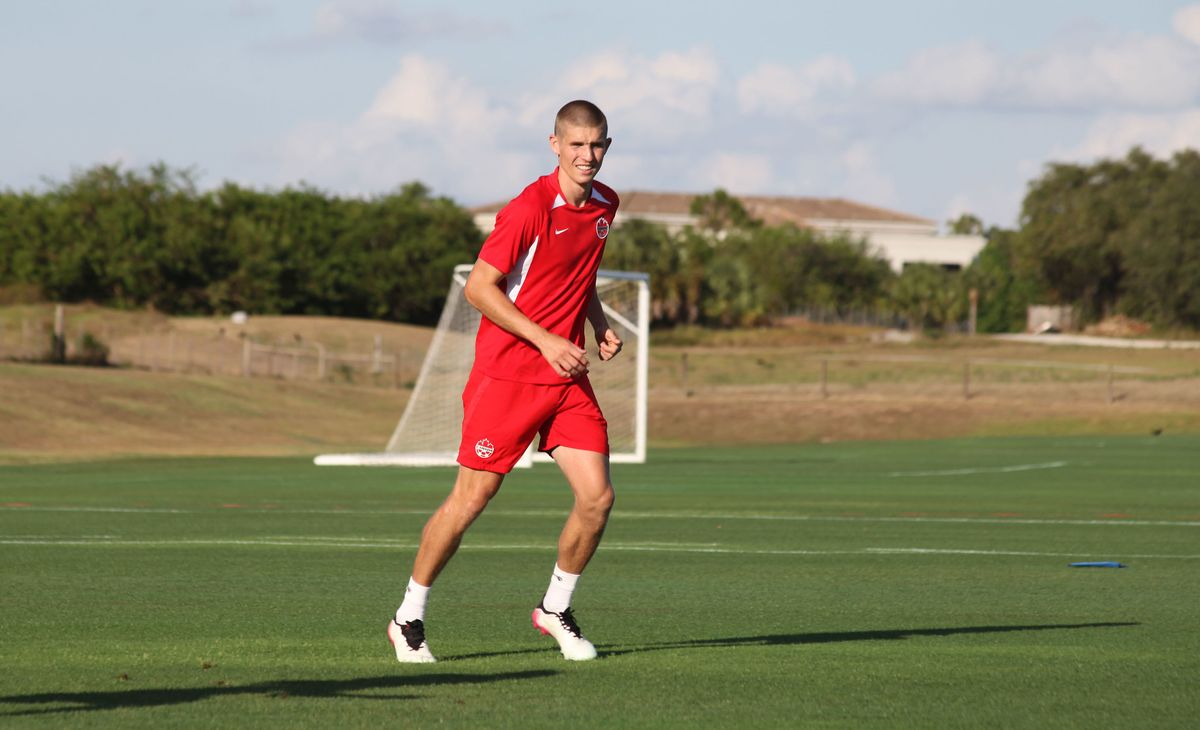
(320, 688)
(839, 636)
(610, 650)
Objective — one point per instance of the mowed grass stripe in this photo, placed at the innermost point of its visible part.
(641, 515)
(357, 543)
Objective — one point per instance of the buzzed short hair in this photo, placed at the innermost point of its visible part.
(580, 113)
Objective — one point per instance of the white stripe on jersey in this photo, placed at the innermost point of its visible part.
(559, 201)
(516, 277)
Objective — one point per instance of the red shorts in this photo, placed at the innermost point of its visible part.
(500, 418)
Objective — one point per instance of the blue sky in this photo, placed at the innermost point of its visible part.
(928, 106)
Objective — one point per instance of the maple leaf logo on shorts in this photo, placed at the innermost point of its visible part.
(484, 448)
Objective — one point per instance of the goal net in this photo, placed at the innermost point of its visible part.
(428, 433)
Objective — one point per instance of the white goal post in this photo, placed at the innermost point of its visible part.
(428, 433)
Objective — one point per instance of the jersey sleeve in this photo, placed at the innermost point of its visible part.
(515, 232)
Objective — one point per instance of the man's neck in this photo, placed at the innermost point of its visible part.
(575, 195)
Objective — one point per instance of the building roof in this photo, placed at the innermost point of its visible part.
(771, 210)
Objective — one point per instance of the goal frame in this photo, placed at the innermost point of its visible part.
(390, 457)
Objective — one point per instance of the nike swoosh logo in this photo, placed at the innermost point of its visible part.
(559, 233)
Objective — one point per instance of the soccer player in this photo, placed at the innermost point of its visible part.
(535, 284)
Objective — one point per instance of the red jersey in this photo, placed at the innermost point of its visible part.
(551, 252)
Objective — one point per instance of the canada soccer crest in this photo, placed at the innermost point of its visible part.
(484, 448)
(602, 228)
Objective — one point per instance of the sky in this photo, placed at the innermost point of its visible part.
(929, 107)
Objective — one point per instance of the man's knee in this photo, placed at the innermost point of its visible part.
(597, 503)
(474, 491)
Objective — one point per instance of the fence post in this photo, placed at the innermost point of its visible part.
(967, 380)
(1110, 384)
(683, 371)
(320, 361)
(246, 355)
(377, 356)
(973, 295)
(58, 351)
(824, 378)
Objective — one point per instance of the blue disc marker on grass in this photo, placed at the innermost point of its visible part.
(1100, 564)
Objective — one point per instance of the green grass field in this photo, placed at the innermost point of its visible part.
(890, 584)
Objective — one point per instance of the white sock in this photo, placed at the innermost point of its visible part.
(413, 607)
(558, 595)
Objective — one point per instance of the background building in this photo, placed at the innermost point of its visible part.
(899, 237)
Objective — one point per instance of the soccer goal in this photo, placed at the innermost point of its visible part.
(428, 432)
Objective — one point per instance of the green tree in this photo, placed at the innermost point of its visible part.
(639, 245)
(135, 238)
(1004, 296)
(720, 211)
(931, 297)
(966, 224)
(1162, 249)
(1073, 221)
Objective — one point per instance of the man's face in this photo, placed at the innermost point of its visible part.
(580, 151)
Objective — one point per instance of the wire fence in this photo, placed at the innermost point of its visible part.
(868, 317)
(721, 372)
(862, 316)
(765, 374)
(32, 339)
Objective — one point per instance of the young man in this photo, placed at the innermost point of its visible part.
(535, 284)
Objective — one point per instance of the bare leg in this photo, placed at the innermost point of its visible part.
(444, 530)
(587, 473)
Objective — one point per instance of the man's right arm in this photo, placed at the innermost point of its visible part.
(483, 292)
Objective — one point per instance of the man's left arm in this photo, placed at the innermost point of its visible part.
(606, 337)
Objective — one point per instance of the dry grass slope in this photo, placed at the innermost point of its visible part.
(51, 412)
(762, 386)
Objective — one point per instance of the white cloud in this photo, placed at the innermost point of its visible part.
(425, 124)
(960, 75)
(428, 123)
(775, 89)
(1187, 23)
(655, 100)
(694, 67)
(738, 173)
(1113, 135)
(1132, 72)
(425, 94)
(387, 23)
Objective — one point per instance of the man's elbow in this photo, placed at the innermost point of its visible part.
(474, 288)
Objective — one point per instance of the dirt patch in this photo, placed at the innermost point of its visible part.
(1118, 326)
